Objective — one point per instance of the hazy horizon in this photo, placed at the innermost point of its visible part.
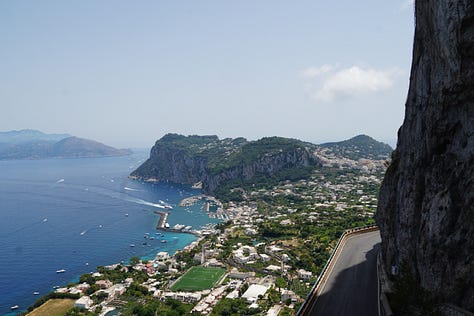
(127, 73)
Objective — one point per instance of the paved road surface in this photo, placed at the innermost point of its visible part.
(351, 287)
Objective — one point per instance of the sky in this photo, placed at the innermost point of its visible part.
(127, 72)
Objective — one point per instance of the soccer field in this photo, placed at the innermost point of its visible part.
(198, 278)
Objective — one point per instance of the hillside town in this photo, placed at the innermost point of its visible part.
(263, 258)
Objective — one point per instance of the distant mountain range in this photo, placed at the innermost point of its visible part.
(33, 144)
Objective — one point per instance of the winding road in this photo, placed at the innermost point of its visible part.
(351, 286)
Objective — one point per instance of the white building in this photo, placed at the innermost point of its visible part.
(253, 292)
(162, 255)
(288, 295)
(264, 257)
(84, 302)
(305, 275)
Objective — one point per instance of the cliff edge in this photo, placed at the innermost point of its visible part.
(426, 203)
(221, 165)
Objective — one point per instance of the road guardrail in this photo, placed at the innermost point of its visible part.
(313, 294)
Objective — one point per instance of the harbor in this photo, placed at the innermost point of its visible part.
(162, 225)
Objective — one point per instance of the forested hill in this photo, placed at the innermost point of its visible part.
(227, 163)
(221, 165)
(361, 146)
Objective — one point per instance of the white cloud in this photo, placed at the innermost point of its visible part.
(328, 83)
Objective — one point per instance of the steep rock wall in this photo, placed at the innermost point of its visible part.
(267, 165)
(180, 165)
(426, 203)
(171, 164)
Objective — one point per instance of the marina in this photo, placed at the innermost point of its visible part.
(178, 228)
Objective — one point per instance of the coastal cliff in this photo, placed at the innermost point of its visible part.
(224, 164)
(426, 202)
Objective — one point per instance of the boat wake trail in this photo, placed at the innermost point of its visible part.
(143, 202)
(130, 189)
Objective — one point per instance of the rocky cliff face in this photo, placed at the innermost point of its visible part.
(268, 166)
(426, 203)
(172, 164)
(228, 162)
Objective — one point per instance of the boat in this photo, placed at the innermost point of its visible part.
(132, 245)
(14, 307)
(56, 287)
(60, 271)
(163, 241)
(36, 293)
(126, 214)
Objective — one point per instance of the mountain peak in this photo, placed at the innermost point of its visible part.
(360, 146)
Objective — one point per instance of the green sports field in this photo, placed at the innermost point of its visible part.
(198, 278)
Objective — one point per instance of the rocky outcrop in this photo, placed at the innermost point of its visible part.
(267, 165)
(426, 203)
(228, 162)
(172, 164)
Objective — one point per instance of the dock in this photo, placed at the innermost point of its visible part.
(162, 225)
(163, 218)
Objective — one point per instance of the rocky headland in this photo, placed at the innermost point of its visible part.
(222, 165)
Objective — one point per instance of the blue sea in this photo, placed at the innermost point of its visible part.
(76, 214)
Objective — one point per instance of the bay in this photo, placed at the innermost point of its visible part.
(76, 214)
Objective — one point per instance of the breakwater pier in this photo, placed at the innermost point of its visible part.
(162, 225)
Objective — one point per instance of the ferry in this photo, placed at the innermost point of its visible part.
(60, 271)
(14, 307)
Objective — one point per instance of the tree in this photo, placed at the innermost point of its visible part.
(280, 283)
(134, 261)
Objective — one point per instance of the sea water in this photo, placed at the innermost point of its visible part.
(76, 214)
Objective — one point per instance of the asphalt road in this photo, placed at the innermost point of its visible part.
(351, 287)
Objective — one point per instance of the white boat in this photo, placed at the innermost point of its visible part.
(132, 245)
(14, 307)
(60, 271)
(36, 293)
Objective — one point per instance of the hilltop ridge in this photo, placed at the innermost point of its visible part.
(223, 165)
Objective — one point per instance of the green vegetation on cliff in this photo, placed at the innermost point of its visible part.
(222, 165)
(360, 146)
